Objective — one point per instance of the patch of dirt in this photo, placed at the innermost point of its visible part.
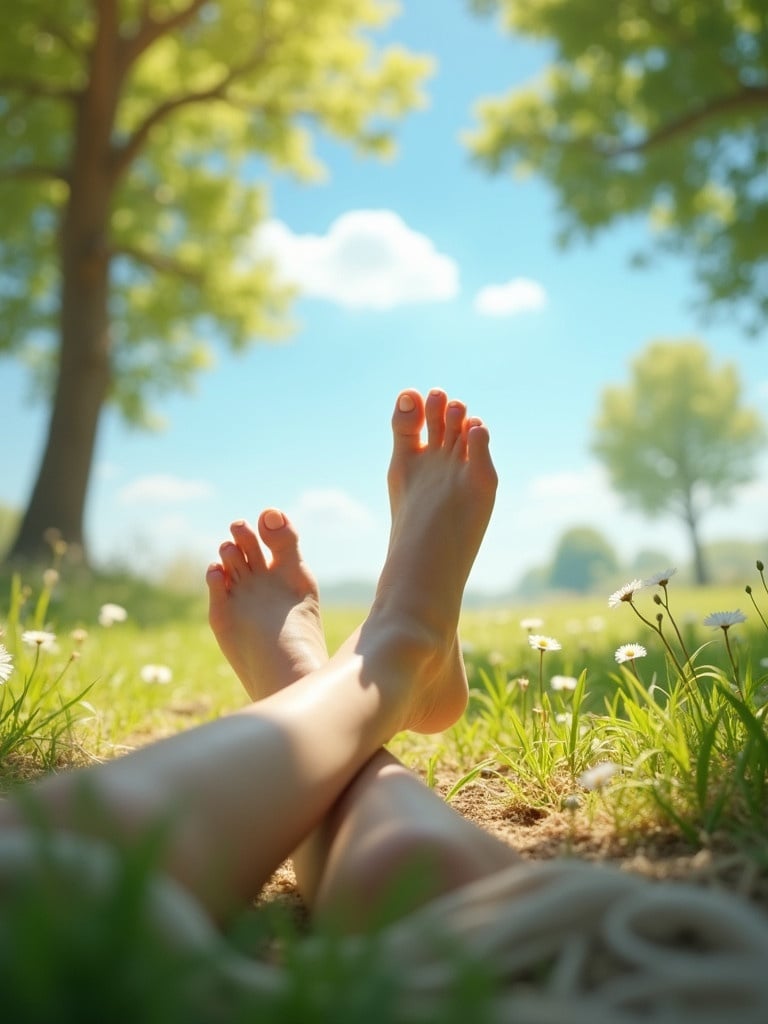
(538, 833)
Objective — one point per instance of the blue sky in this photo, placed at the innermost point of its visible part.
(470, 293)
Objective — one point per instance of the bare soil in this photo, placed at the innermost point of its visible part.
(542, 834)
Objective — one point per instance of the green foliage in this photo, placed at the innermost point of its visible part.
(170, 112)
(677, 438)
(582, 558)
(649, 108)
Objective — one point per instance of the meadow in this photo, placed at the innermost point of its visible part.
(645, 708)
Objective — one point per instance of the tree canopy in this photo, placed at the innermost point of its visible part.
(583, 557)
(677, 438)
(134, 135)
(656, 108)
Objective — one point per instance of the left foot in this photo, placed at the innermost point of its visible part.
(266, 617)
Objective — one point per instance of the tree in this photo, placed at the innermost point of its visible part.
(649, 107)
(132, 134)
(677, 439)
(582, 558)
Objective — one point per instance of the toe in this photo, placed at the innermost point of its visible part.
(454, 423)
(233, 560)
(248, 542)
(407, 421)
(216, 579)
(436, 403)
(280, 536)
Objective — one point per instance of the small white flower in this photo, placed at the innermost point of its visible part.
(599, 776)
(571, 803)
(543, 643)
(628, 652)
(660, 579)
(563, 682)
(79, 635)
(39, 638)
(156, 674)
(564, 718)
(496, 658)
(625, 593)
(6, 664)
(109, 614)
(724, 620)
(595, 623)
(50, 579)
(764, 663)
(530, 624)
(523, 683)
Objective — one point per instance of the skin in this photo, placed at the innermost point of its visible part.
(265, 613)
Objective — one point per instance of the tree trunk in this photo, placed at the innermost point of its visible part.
(701, 575)
(84, 371)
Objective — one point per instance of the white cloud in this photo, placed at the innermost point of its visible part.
(369, 259)
(163, 488)
(327, 506)
(520, 295)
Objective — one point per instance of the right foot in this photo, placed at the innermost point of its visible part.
(442, 495)
(266, 618)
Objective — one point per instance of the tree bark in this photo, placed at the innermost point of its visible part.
(84, 369)
(701, 574)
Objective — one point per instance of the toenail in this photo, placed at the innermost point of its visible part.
(406, 404)
(274, 520)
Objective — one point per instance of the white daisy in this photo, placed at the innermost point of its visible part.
(543, 643)
(531, 623)
(625, 593)
(109, 614)
(563, 682)
(39, 638)
(628, 652)
(6, 664)
(724, 620)
(660, 579)
(599, 776)
(156, 674)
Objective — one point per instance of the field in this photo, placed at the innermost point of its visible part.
(659, 760)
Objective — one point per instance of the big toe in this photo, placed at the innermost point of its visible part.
(407, 421)
(280, 536)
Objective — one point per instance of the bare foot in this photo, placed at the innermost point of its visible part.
(442, 495)
(265, 617)
(407, 427)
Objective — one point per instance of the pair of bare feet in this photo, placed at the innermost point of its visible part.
(266, 614)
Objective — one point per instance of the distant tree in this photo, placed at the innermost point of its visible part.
(649, 107)
(132, 136)
(582, 558)
(650, 560)
(677, 438)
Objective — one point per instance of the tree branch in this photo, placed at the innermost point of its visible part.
(124, 155)
(745, 99)
(151, 29)
(158, 262)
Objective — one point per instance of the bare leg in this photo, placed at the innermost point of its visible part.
(244, 790)
(387, 822)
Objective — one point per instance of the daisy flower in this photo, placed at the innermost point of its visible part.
(532, 623)
(660, 579)
(625, 593)
(156, 674)
(628, 652)
(109, 614)
(6, 664)
(724, 620)
(39, 638)
(563, 682)
(599, 776)
(543, 643)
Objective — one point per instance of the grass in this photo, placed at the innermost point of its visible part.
(676, 737)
